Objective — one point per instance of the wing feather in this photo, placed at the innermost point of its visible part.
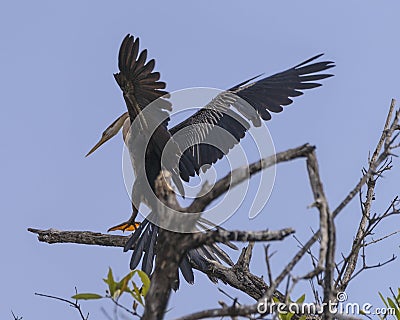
(139, 84)
(252, 101)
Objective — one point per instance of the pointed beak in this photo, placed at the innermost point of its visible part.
(110, 132)
(98, 144)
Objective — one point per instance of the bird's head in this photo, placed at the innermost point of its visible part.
(110, 132)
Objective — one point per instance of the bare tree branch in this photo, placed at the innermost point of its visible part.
(52, 236)
(169, 253)
(326, 260)
(267, 258)
(236, 276)
(172, 246)
(372, 175)
(240, 174)
(239, 276)
(71, 303)
(232, 311)
(374, 164)
(373, 241)
(15, 317)
(245, 257)
(221, 235)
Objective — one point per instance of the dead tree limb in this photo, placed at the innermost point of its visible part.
(52, 236)
(241, 174)
(379, 156)
(172, 245)
(373, 165)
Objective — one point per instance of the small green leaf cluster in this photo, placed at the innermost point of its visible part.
(289, 315)
(393, 304)
(117, 288)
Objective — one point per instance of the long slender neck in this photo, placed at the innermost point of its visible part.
(125, 129)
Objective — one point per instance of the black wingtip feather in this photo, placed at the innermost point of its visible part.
(186, 269)
(136, 77)
(309, 60)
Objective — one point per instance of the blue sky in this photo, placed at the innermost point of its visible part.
(58, 94)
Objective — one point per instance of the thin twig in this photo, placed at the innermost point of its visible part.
(16, 317)
(373, 241)
(267, 257)
(134, 313)
(71, 303)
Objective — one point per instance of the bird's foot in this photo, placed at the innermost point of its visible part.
(130, 225)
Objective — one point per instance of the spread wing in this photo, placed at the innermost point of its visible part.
(253, 101)
(141, 88)
(139, 84)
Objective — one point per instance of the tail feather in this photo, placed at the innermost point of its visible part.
(144, 240)
(186, 269)
(147, 263)
(131, 243)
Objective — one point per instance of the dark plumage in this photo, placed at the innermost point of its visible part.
(252, 101)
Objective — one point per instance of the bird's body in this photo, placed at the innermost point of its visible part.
(148, 118)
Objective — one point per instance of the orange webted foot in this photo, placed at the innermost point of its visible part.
(125, 226)
(130, 225)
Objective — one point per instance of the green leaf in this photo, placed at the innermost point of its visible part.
(284, 316)
(137, 293)
(87, 296)
(123, 284)
(135, 296)
(145, 280)
(393, 305)
(383, 299)
(301, 299)
(112, 285)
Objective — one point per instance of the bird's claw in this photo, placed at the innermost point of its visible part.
(125, 226)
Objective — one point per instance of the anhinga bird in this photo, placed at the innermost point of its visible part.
(141, 86)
